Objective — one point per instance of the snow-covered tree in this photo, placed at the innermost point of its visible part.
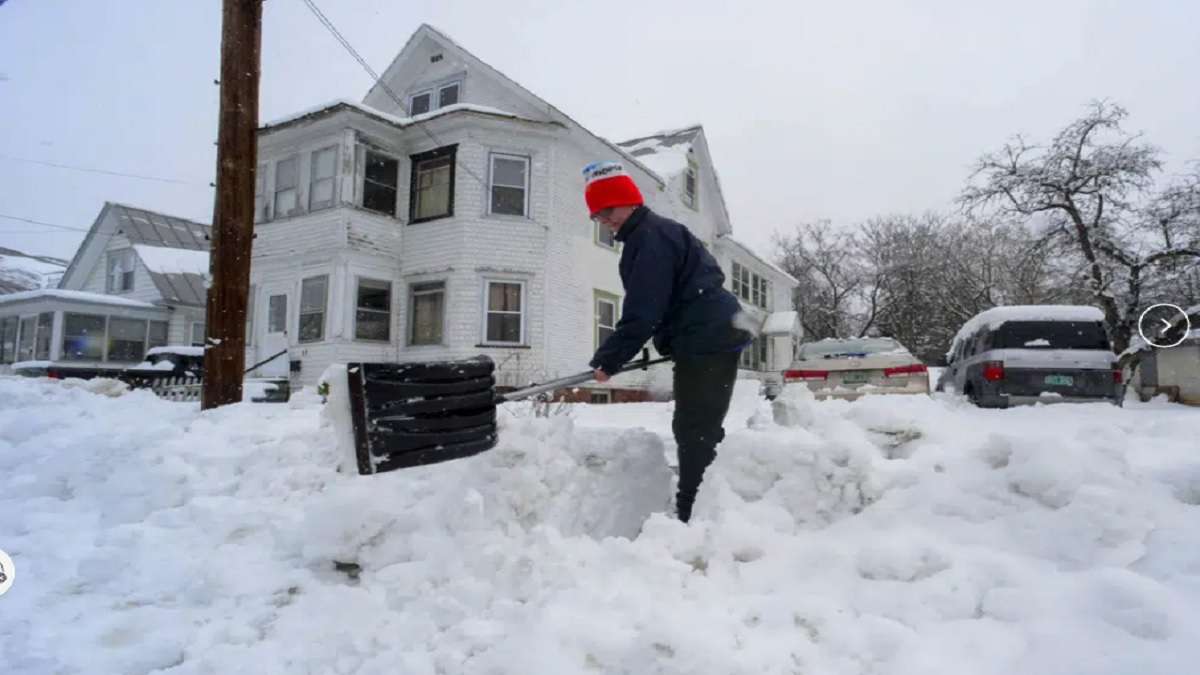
(1093, 190)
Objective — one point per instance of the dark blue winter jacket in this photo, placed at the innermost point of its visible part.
(674, 292)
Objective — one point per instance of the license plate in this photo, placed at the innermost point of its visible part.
(854, 378)
(1060, 380)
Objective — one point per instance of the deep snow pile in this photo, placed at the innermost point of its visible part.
(890, 535)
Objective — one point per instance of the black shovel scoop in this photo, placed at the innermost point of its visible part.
(413, 414)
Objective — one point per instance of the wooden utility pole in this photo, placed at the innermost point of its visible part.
(233, 215)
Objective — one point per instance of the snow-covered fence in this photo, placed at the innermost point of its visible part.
(165, 384)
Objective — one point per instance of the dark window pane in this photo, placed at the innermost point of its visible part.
(504, 328)
(45, 328)
(508, 201)
(504, 297)
(83, 337)
(508, 172)
(603, 334)
(606, 312)
(158, 335)
(371, 325)
(312, 295)
(1049, 335)
(311, 327)
(277, 314)
(126, 339)
(374, 294)
(379, 186)
(448, 96)
(428, 307)
(431, 194)
(198, 334)
(8, 339)
(419, 104)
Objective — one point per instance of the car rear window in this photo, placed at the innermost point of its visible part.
(1050, 335)
(832, 349)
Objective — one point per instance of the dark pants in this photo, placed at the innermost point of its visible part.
(703, 388)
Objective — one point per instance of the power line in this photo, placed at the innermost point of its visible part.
(106, 172)
(312, 5)
(39, 222)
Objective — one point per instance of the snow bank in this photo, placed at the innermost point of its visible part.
(173, 260)
(892, 535)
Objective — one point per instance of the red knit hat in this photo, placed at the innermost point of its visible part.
(608, 185)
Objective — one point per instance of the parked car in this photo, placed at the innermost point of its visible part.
(1028, 354)
(850, 368)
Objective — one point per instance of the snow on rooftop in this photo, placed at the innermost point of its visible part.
(173, 260)
(780, 323)
(78, 296)
(998, 315)
(388, 117)
(182, 350)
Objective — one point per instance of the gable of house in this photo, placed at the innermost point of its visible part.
(167, 256)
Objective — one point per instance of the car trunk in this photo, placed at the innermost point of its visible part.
(856, 372)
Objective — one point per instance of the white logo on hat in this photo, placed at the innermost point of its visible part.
(8, 572)
(605, 169)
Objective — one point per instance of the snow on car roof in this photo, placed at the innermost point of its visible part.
(998, 315)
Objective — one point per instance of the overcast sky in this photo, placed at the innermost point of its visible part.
(814, 110)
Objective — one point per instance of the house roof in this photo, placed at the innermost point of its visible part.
(334, 106)
(665, 152)
(76, 296)
(146, 229)
(425, 30)
(749, 251)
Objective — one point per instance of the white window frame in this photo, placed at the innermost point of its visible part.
(192, 334)
(260, 193)
(492, 157)
(524, 313)
(295, 188)
(250, 316)
(391, 301)
(597, 228)
(412, 293)
(300, 313)
(128, 266)
(314, 205)
(599, 296)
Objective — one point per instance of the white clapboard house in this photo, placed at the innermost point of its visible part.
(136, 282)
(443, 217)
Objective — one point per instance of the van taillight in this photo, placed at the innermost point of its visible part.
(805, 375)
(1117, 377)
(993, 371)
(53, 375)
(915, 369)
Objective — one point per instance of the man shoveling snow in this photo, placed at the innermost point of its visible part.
(674, 293)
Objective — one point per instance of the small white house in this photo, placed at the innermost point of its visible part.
(443, 218)
(136, 282)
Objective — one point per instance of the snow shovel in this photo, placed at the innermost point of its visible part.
(414, 414)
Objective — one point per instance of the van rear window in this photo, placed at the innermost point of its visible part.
(1050, 335)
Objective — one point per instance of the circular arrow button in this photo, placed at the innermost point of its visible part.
(1160, 325)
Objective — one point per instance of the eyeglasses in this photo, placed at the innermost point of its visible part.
(601, 217)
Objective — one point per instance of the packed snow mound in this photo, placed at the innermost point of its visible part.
(889, 535)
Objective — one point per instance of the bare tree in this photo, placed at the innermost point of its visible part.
(1093, 184)
(825, 263)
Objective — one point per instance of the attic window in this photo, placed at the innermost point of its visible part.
(435, 58)
(690, 185)
(420, 103)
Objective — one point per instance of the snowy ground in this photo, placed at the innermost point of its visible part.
(891, 535)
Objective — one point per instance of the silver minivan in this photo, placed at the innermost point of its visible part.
(1018, 355)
